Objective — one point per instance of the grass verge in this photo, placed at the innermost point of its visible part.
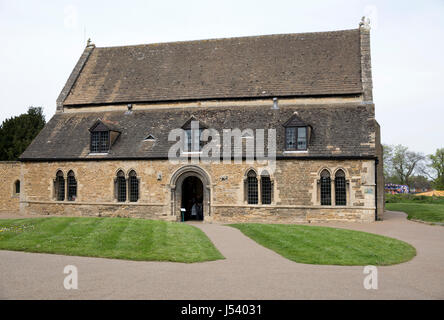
(119, 238)
(423, 208)
(419, 211)
(330, 246)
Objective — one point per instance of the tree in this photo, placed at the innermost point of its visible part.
(387, 161)
(18, 132)
(437, 164)
(405, 162)
(420, 182)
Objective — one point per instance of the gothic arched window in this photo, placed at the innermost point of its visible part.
(252, 190)
(72, 186)
(133, 183)
(121, 186)
(325, 188)
(59, 186)
(340, 188)
(266, 188)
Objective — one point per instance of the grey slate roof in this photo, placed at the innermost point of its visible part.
(305, 64)
(66, 136)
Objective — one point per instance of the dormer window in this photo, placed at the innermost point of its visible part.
(193, 129)
(296, 138)
(194, 136)
(150, 137)
(102, 137)
(297, 134)
(100, 142)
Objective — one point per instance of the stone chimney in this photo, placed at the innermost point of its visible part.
(366, 65)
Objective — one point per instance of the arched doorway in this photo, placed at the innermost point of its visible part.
(192, 198)
(186, 183)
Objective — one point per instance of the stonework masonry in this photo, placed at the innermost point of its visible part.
(9, 175)
(296, 191)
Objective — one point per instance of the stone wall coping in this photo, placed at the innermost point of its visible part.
(212, 205)
(293, 206)
(96, 203)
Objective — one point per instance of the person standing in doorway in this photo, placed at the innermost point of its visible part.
(194, 210)
(200, 211)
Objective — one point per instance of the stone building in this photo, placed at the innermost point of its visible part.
(105, 151)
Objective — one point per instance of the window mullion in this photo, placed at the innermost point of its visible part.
(66, 188)
(259, 191)
(296, 131)
(127, 183)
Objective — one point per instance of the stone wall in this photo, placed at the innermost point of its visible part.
(380, 192)
(295, 193)
(9, 175)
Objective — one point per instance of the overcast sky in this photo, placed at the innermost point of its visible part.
(40, 42)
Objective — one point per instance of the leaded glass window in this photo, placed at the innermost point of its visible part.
(99, 141)
(72, 186)
(290, 136)
(133, 187)
(252, 189)
(60, 186)
(325, 188)
(193, 136)
(266, 189)
(296, 138)
(302, 138)
(340, 189)
(121, 187)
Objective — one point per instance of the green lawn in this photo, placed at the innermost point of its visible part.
(325, 245)
(121, 238)
(419, 211)
(430, 209)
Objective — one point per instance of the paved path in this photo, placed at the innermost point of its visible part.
(248, 272)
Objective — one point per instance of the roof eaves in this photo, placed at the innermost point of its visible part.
(352, 93)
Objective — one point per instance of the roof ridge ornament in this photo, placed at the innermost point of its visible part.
(89, 43)
(365, 23)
